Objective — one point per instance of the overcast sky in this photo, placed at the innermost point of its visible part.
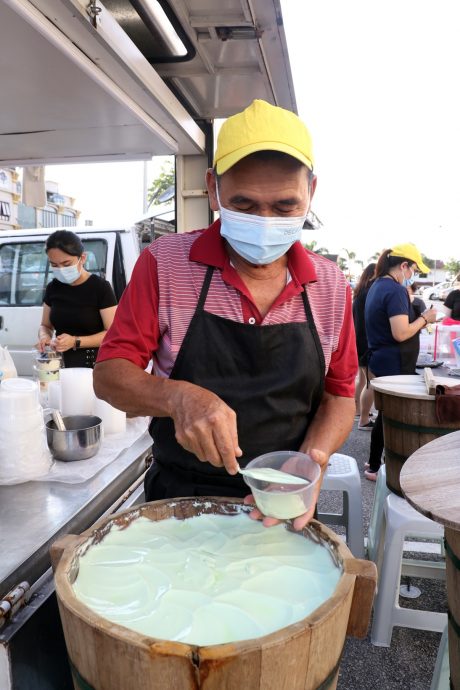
(377, 84)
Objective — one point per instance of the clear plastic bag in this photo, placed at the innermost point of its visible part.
(7, 366)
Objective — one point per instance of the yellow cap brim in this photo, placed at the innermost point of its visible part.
(228, 161)
(422, 267)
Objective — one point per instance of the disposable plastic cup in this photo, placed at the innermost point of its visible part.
(18, 396)
(15, 424)
(284, 501)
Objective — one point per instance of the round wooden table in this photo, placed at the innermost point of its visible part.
(430, 480)
(409, 420)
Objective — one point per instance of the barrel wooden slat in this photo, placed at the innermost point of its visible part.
(299, 657)
(363, 595)
(453, 596)
(404, 423)
(431, 483)
(328, 638)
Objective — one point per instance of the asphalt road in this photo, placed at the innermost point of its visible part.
(409, 662)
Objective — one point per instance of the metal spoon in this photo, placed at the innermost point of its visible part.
(57, 419)
(268, 474)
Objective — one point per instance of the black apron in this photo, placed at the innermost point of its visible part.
(271, 376)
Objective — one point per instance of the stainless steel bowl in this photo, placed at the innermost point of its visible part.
(80, 441)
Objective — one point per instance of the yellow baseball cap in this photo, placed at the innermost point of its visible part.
(262, 127)
(410, 251)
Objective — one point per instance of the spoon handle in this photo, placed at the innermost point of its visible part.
(57, 419)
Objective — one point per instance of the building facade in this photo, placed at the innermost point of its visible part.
(59, 211)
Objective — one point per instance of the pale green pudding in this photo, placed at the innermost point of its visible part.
(206, 580)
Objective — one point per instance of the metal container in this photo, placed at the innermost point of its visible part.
(80, 441)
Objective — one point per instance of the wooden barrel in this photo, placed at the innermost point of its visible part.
(453, 595)
(409, 421)
(431, 483)
(302, 656)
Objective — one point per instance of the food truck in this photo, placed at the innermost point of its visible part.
(89, 81)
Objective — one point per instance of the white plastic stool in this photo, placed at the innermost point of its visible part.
(342, 474)
(400, 519)
(375, 524)
(441, 673)
(376, 535)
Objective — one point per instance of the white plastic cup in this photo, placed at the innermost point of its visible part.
(284, 501)
(113, 420)
(77, 394)
(18, 396)
(54, 395)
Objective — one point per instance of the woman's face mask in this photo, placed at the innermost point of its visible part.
(413, 277)
(67, 274)
(259, 239)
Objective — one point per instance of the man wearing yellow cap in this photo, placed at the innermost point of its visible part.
(251, 335)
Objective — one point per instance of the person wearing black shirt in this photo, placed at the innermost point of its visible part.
(418, 305)
(364, 394)
(78, 306)
(452, 305)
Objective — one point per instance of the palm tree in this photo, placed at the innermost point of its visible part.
(345, 264)
(313, 248)
(342, 264)
(350, 255)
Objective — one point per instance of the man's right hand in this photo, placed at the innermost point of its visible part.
(205, 426)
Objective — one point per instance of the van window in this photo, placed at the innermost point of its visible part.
(25, 270)
(24, 273)
(96, 256)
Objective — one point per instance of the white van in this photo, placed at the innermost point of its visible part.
(434, 291)
(25, 272)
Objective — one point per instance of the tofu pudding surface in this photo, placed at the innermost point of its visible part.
(206, 580)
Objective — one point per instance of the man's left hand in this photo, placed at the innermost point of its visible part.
(299, 522)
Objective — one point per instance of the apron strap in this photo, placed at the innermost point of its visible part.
(314, 330)
(204, 289)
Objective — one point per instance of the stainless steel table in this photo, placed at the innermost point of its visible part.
(32, 516)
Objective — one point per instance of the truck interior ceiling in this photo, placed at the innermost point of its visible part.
(84, 80)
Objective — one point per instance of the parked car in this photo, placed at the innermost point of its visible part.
(434, 291)
(25, 273)
(443, 294)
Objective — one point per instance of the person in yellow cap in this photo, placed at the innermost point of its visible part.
(392, 327)
(251, 336)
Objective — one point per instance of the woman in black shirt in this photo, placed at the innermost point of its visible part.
(78, 306)
(364, 395)
(452, 307)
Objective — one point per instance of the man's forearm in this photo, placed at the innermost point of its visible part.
(331, 425)
(131, 389)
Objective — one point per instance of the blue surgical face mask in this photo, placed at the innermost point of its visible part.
(259, 239)
(67, 274)
(407, 282)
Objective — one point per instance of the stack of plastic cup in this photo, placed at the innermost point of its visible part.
(77, 394)
(113, 420)
(24, 453)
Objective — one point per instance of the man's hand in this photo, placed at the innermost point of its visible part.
(206, 426)
(299, 522)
